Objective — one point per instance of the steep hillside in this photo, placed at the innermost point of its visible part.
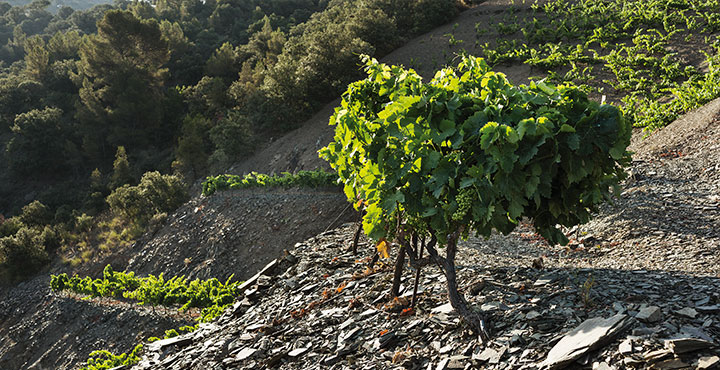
(297, 150)
(638, 287)
(40, 331)
(658, 246)
(237, 232)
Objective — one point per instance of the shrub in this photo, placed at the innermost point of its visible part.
(23, 253)
(35, 214)
(469, 152)
(154, 194)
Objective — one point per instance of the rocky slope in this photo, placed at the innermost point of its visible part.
(657, 246)
(638, 287)
(230, 233)
(238, 231)
(41, 330)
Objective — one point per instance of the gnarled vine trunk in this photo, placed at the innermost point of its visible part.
(447, 266)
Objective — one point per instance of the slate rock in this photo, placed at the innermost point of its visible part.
(298, 352)
(589, 335)
(457, 362)
(655, 356)
(332, 360)
(442, 365)
(179, 341)
(671, 364)
(708, 309)
(687, 312)
(708, 362)
(684, 345)
(245, 353)
(601, 366)
(625, 347)
(649, 314)
(532, 315)
(485, 355)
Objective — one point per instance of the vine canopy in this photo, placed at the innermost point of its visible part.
(471, 152)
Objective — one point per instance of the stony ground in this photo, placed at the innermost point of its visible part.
(653, 258)
(238, 231)
(231, 233)
(44, 331)
(638, 287)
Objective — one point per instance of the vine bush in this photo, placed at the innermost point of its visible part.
(212, 296)
(468, 153)
(313, 179)
(102, 359)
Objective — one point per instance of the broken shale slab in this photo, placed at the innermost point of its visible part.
(591, 334)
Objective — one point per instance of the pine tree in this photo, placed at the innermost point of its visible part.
(121, 169)
(122, 80)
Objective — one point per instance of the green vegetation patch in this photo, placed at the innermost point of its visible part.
(469, 151)
(642, 50)
(102, 359)
(212, 296)
(312, 179)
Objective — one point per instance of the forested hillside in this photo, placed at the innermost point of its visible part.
(90, 100)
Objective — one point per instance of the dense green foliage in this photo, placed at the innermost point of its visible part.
(187, 81)
(103, 360)
(212, 296)
(26, 242)
(311, 179)
(470, 152)
(692, 94)
(154, 194)
(90, 100)
(628, 46)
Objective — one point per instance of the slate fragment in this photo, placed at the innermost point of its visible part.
(684, 345)
(708, 362)
(649, 314)
(589, 335)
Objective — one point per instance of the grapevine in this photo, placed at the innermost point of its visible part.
(469, 152)
(211, 296)
(312, 179)
(102, 359)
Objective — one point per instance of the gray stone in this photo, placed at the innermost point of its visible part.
(179, 341)
(687, 312)
(446, 349)
(245, 353)
(625, 347)
(684, 345)
(543, 281)
(643, 331)
(654, 356)
(298, 352)
(708, 362)
(332, 360)
(708, 309)
(601, 366)
(589, 335)
(618, 307)
(485, 355)
(267, 270)
(493, 306)
(264, 281)
(495, 358)
(276, 358)
(532, 315)
(457, 362)
(674, 363)
(689, 331)
(649, 314)
(445, 308)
